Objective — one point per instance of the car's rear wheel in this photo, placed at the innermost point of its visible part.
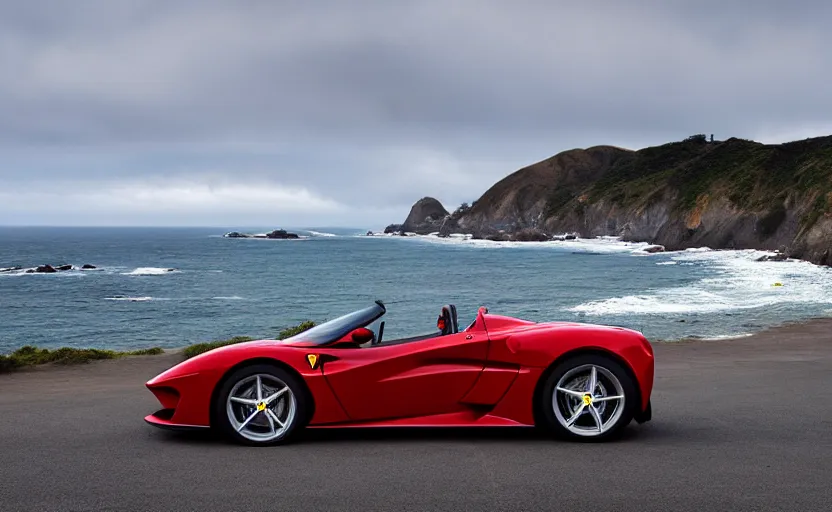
(260, 405)
(589, 397)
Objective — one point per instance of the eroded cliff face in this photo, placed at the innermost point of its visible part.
(734, 194)
(525, 199)
(713, 222)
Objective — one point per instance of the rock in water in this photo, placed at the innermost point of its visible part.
(775, 257)
(531, 235)
(87, 266)
(235, 234)
(281, 234)
(499, 237)
(61, 268)
(426, 216)
(654, 248)
(43, 269)
(10, 269)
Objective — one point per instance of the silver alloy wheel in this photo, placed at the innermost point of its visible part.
(588, 400)
(261, 407)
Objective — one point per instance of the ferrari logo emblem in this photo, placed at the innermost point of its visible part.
(587, 399)
(313, 360)
(261, 406)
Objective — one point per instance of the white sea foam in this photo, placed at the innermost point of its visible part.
(607, 245)
(735, 282)
(667, 263)
(318, 233)
(132, 299)
(728, 336)
(232, 297)
(150, 271)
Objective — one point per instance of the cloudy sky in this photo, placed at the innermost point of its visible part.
(343, 113)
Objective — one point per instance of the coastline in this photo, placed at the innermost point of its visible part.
(701, 293)
(788, 329)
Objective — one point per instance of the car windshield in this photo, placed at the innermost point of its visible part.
(337, 328)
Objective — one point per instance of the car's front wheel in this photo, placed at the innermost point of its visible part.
(260, 405)
(589, 397)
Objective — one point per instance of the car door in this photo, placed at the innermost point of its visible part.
(416, 378)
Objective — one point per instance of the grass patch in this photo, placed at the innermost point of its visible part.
(199, 348)
(32, 356)
(754, 177)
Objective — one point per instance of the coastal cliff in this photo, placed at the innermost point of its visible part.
(732, 194)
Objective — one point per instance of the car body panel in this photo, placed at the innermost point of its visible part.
(420, 378)
(485, 375)
(491, 385)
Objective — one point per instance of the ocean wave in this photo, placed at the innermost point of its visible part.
(318, 233)
(662, 302)
(727, 336)
(667, 263)
(605, 245)
(133, 299)
(150, 271)
(736, 281)
(232, 297)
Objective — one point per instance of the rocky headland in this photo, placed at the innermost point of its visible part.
(732, 194)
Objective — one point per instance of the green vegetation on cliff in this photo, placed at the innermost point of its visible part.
(751, 175)
(32, 356)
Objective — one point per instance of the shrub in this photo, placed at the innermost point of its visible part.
(29, 355)
(295, 330)
(699, 138)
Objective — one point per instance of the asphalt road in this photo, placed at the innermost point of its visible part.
(737, 425)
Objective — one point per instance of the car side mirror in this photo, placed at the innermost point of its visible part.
(358, 336)
(362, 335)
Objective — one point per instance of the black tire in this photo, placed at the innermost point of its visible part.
(298, 389)
(549, 418)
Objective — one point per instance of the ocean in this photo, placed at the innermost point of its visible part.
(222, 287)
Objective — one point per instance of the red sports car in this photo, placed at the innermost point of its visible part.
(577, 380)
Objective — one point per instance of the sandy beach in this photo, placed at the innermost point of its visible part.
(740, 424)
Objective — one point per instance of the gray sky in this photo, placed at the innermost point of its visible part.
(335, 112)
